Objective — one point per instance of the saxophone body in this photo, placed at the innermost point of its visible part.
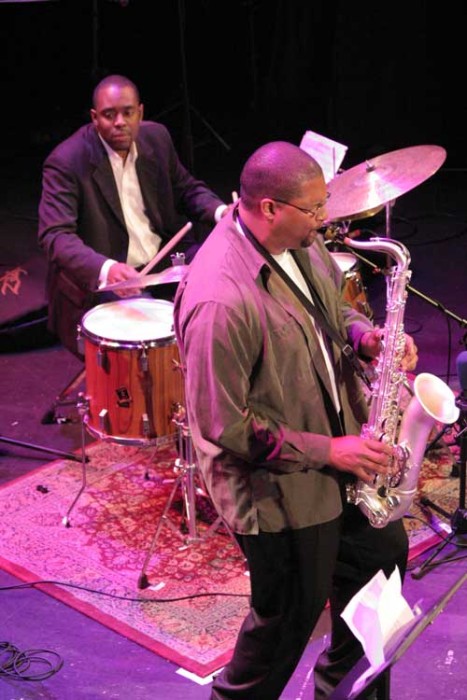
(390, 497)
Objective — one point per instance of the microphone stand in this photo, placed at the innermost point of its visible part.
(434, 302)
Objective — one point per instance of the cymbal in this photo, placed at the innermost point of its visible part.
(167, 276)
(364, 189)
(359, 215)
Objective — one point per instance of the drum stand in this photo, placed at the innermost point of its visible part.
(187, 472)
(82, 406)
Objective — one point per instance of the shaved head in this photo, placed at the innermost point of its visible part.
(277, 169)
(119, 81)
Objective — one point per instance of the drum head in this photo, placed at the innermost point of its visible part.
(130, 320)
(345, 261)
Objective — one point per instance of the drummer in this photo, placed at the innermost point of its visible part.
(112, 194)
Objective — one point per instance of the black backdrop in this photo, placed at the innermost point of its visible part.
(372, 77)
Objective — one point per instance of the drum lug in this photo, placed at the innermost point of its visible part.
(102, 359)
(146, 426)
(365, 308)
(104, 421)
(143, 360)
(80, 342)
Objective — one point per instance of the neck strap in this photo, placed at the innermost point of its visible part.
(317, 310)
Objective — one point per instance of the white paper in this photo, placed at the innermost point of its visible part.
(376, 613)
(328, 153)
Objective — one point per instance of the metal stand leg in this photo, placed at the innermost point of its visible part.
(50, 416)
(82, 408)
(31, 446)
(186, 467)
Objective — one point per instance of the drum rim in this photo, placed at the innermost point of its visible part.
(104, 342)
(124, 343)
(343, 255)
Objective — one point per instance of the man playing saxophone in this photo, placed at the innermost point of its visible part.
(275, 411)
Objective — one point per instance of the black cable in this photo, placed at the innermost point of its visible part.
(20, 664)
(33, 584)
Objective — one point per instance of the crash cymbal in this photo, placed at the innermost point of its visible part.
(369, 186)
(168, 276)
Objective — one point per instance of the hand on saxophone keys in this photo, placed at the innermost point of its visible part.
(410, 359)
(371, 346)
(363, 457)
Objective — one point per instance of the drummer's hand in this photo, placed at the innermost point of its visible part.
(410, 359)
(118, 272)
(227, 209)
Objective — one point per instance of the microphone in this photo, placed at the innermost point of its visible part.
(461, 365)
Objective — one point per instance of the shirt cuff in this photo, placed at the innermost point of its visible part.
(104, 272)
(218, 212)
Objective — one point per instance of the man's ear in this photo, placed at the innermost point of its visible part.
(267, 208)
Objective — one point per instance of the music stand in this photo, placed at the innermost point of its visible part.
(354, 686)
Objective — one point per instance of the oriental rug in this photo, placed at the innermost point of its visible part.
(130, 517)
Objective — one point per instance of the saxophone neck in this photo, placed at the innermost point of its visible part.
(394, 249)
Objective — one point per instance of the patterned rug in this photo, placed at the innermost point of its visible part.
(129, 527)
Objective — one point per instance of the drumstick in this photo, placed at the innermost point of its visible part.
(234, 197)
(168, 247)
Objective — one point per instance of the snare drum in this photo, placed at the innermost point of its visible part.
(134, 383)
(354, 291)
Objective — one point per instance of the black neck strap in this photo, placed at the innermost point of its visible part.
(317, 309)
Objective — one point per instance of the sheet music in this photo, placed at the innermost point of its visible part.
(328, 153)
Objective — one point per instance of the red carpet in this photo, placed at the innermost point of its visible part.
(112, 527)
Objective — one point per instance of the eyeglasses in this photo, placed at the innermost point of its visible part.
(311, 212)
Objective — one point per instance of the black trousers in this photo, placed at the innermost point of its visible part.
(293, 574)
(363, 551)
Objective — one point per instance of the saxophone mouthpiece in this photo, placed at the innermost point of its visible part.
(331, 232)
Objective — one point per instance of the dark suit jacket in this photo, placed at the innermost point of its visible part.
(81, 221)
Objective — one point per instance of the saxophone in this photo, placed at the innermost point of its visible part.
(390, 497)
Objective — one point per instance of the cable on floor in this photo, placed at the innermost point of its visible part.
(28, 665)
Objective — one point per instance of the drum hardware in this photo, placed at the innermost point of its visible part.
(52, 415)
(82, 406)
(41, 448)
(354, 291)
(129, 348)
(187, 472)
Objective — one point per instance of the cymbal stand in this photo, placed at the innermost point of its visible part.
(187, 472)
